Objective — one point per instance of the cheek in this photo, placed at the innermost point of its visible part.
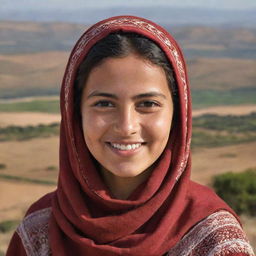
(160, 126)
(93, 127)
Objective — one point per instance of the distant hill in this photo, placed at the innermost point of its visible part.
(33, 58)
(31, 37)
(41, 73)
(197, 41)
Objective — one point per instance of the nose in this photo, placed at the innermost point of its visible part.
(127, 122)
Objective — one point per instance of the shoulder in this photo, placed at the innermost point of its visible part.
(42, 203)
(34, 228)
(34, 232)
(217, 235)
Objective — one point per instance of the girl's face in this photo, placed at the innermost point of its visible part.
(127, 113)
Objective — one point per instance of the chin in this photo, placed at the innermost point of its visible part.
(124, 170)
(129, 173)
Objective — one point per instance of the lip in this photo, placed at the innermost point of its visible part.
(126, 142)
(125, 153)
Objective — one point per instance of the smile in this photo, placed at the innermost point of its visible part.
(125, 147)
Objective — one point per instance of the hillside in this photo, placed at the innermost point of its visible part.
(41, 73)
(221, 61)
(31, 74)
(27, 37)
(222, 74)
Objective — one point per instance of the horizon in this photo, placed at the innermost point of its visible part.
(170, 14)
(77, 4)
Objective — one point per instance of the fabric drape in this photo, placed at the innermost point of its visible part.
(86, 219)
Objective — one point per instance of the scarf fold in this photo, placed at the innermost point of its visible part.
(86, 219)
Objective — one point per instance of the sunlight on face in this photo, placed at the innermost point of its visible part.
(127, 113)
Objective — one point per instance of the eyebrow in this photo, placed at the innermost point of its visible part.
(113, 96)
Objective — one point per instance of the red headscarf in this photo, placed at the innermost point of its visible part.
(86, 220)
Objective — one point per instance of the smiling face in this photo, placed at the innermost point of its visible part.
(126, 110)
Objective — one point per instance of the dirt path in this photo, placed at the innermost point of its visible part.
(28, 99)
(30, 158)
(16, 196)
(226, 110)
(27, 118)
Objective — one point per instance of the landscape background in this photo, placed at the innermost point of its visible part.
(219, 44)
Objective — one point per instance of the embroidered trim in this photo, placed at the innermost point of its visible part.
(33, 232)
(232, 246)
(218, 234)
(132, 22)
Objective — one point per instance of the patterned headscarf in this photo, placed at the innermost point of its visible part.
(86, 219)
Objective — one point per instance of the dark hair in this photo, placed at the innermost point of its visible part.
(120, 44)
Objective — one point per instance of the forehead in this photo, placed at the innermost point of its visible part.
(127, 74)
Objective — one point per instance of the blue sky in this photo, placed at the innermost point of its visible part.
(73, 4)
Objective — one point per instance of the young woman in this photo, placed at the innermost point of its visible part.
(124, 186)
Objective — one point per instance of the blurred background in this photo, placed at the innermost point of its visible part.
(219, 42)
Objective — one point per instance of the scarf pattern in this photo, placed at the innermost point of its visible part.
(217, 235)
(34, 233)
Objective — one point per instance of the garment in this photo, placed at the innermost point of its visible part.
(166, 215)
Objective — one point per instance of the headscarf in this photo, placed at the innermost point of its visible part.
(86, 219)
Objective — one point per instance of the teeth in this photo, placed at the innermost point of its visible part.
(125, 147)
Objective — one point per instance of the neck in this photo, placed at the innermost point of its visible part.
(122, 187)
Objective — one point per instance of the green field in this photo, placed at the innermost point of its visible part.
(238, 190)
(28, 132)
(215, 131)
(46, 106)
(28, 180)
(208, 98)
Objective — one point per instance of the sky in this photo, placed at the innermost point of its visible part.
(74, 4)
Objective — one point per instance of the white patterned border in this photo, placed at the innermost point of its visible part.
(218, 233)
(33, 232)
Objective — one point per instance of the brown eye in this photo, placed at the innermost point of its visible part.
(103, 104)
(148, 104)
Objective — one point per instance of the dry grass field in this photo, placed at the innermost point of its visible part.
(38, 159)
(34, 159)
(16, 196)
(207, 162)
(32, 70)
(30, 158)
(15, 199)
(221, 74)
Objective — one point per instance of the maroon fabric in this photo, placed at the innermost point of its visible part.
(16, 247)
(86, 220)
